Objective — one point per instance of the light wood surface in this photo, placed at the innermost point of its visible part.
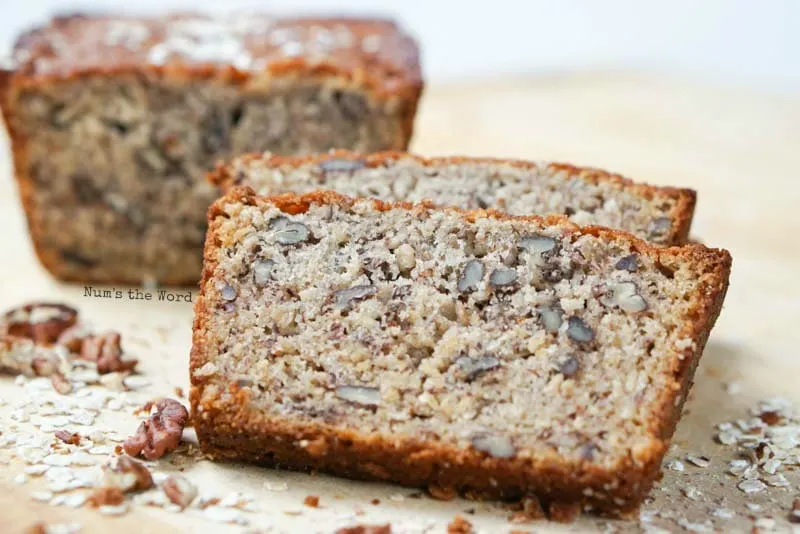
(740, 151)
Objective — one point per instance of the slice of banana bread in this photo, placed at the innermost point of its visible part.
(587, 196)
(463, 351)
(115, 121)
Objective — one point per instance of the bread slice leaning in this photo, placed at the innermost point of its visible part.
(661, 215)
(467, 352)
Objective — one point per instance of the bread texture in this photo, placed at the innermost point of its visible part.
(467, 352)
(588, 196)
(115, 121)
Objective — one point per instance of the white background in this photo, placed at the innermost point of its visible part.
(750, 43)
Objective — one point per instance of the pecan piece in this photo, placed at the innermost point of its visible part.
(459, 525)
(70, 438)
(106, 496)
(41, 322)
(159, 434)
(105, 349)
(179, 490)
(127, 474)
(60, 384)
(366, 529)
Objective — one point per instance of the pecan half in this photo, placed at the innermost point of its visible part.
(41, 322)
(159, 434)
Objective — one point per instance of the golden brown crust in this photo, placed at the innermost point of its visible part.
(229, 428)
(225, 177)
(374, 53)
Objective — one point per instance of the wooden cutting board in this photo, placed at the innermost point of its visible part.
(740, 150)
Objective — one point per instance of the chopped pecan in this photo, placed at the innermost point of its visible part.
(312, 501)
(72, 339)
(106, 496)
(179, 490)
(61, 384)
(127, 474)
(70, 438)
(41, 322)
(366, 529)
(459, 525)
(159, 434)
(105, 349)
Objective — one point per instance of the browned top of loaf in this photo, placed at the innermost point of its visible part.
(374, 52)
(226, 176)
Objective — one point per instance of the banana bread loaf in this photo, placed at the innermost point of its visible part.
(114, 123)
(463, 351)
(587, 196)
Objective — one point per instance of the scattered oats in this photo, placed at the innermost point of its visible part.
(36, 470)
(151, 498)
(73, 500)
(20, 380)
(118, 509)
(727, 438)
(20, 479)
(225, 515)
(42, 496)
(753, 507)
(692, 493)
(82, 417)
(777, 481)
(60, 460)
(279, 486)
(101, 450)
(58, 500)
(113, 381)
(723, 513)
(396, 497)
(89, 376)
(64, 528)
(30, 455)
(733, 388)
(705, 526)
(59, 473)
(135, 382)
(647, 516)
(699, 461)
(765, 522)
(97, 436)
(752, 486)
(652, 529)
(737, 467)
(675, 465)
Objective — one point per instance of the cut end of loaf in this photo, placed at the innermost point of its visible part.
(493, 355)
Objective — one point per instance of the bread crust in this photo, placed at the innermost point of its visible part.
(229, 428)
(224, 176)
(79, 44)
(391, 74)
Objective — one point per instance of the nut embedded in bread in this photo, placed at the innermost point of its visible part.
(496, 356)
(114, 122)
(661, 215)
